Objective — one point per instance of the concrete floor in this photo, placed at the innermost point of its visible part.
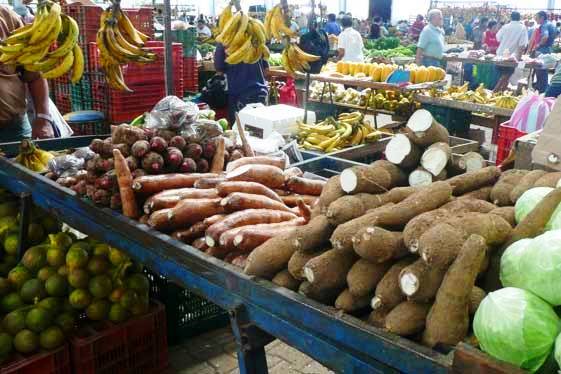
(215, 353)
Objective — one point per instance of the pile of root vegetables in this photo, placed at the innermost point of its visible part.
(423, 153)
(147, 152)
(416, 261)
(226, 214)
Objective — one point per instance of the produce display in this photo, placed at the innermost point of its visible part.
(49, 45)
(60, 284)
(348, 130)
(33, 158)
(119, 43)
(480, 95)
(380, 72)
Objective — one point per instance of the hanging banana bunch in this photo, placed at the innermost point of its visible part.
(119, 43)
(275, 25)
(32, 45)
(294, 59)
(243, 37)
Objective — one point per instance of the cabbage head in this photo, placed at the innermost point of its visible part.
(557, 352)
(510, 263)
(555, 220)
(516, 326)
(528, 201)
(540, 267)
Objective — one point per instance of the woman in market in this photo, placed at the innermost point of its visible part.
(417, 27)
(14, 124)
(490, 42)
(350, 42)
(430, 47)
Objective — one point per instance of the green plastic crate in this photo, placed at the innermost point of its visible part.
(455, 120)
(187, 314)
(188, 38)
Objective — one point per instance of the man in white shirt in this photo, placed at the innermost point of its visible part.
(203, 31)
(513, 40)
(350, 42)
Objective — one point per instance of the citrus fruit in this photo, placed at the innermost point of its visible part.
(129, 299)
(38, 319)
(60, 240)
(18, 276)
(76, 257)
(51, 304)
(45, 272)
(56, 257)
(35, 258)
(98, 310)
(56, 285)
(78, 278)
(139, 283)
(117, 257)
(80, 299)
(66, 321)
(14, 321)
(98, 265)
(100, 286)
(51, 338)
(11, 301)
(32, 291)
(117, 313)
(101, 250)
(11, 243)
(26, 341)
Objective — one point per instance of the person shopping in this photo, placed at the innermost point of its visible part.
(430, 47)
(541, 43)
(350, 43)
(14, 123)
(513, 40)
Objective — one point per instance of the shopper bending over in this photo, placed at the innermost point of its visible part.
(14, 124)
(246, 82)
(350, 42)
(430, 47)
(513, 40)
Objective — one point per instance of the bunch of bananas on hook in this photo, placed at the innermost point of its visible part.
(294, 59)
(32, 45)
(243, 37)
(120, 43)
(275, 25)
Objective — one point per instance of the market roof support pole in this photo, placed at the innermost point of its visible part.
(251, 342)
(168, 55)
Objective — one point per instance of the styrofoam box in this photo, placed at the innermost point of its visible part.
(260, 121)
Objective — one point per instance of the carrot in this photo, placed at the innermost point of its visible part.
(170, 198)
(242, 201)
(270, 176)
(226, 188)
(292, 200)
(252, 237)
(279, 162)
(305, 186)
(124, 178)
(187, 212)
(217, 165)
(245, 218)
(151, 184)
(194, 232)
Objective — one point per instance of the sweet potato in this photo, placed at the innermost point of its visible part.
(304, 211)
(507, 213)
(217, 165)
(525, 184)
(152, 184)
(242, 201)
(170, 198)
(388, 294)
(253, 236)
(500, 194)
(199, 244)
(206, 183)
(349, 207)
(270, 176)
(331, 192)
(124, 178)
(245, 218)
(271, 257)
(226, 240)
(292, 172)
(407, 318)
(278, 162)
(350, 303)
(483, 193)
(292, 200)
(329, 270)
(398, 176)
(420, 282)
(368, 179)
(314, 235)
(305, 186)
(474, 180)
(419, 225)
(298, 261)
(226, 188)
(218, 252)
(284, 279)
(549, 180)
(185, 213)
(448, 319)
(318, 293)
(378, 245)
(364, 276)
(188, 235)
(468, 205)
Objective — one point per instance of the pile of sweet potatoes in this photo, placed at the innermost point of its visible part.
(416, 261)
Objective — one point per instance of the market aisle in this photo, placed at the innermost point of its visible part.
(215, 353)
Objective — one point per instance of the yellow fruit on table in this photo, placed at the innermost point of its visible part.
(352, 68)
(386, 71)
(431, 74)
(422, 74)
(344, 67)
(413, 75)
(441, 74)
(376, 73)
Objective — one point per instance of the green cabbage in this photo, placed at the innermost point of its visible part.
(528, 201)
(540, 267)
(510, 263)
(516, 326)
(557, 352)
(555, 220)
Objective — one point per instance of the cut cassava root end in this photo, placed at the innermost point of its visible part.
(436, 157)
(425, 130)
(420, 282)
(401, 151)
(367, 179)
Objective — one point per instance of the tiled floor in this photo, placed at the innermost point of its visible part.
(215, 353)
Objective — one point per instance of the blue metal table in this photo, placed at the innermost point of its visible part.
(259, 310)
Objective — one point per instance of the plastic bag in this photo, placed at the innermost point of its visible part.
(85, 152)
(201, 130)
(267, 146)
(293, 152)
(172, 113)
(66, 163)
(531, 112)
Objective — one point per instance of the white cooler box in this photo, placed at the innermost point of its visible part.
(260, 121)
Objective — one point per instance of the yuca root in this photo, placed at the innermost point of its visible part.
(368, 179)
(378, 245)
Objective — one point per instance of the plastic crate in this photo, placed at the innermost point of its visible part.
(187, 314)
(188, 39)
(63, 103)
(456, 121)
(505, 140)
(52, 362)
(136, 346)
(190, 74)
(90, 128)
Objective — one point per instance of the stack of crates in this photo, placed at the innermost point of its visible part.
(188, 39)
(145, 80)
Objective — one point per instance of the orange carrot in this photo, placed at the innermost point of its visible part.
(124, 179)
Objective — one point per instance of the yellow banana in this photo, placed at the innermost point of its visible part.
(78, 65)
(117, 78)
(267, 23)
(136, 37)
(253, 56)
(44, 65)
(237, 57)
(103, 51)
(265, 53)
(303, 55)
(12, 49)
(225, 16)
(51, 19)
(71, 39)
(357, 137)
(258, 31)
(242, 28)
(22, 34)
(31, 58)
(229, 32)
(62, 68)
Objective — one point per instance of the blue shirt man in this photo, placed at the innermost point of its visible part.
(332, 27)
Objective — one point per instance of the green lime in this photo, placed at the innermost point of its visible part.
(117, 313)
(11, 243)
(129, 299)
(66, 321)
(45, 273)
(51, 338)
(14, 321)
(139, 283)
(98, 265)
(32, 291)
(56, 257)
(98, 310)
(38, 319)
(60, 240)
(51, 304)
(63, 270)
(26, 342)
(80, 299)
(100, 286)
(78, 278)
(76, 257)
(11, 302)
(57, 285)
(18, 276)
(117, 257)
(101, 250)
(35, 258)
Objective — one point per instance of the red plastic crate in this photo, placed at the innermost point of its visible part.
(505, 139)
(142, 19)
(53, 362)
(136, 346)
(63, 103)
(190, 74)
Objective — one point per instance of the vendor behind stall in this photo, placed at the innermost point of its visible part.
(246, 82)
(350, 43)
(14, 124)
(430, 47)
